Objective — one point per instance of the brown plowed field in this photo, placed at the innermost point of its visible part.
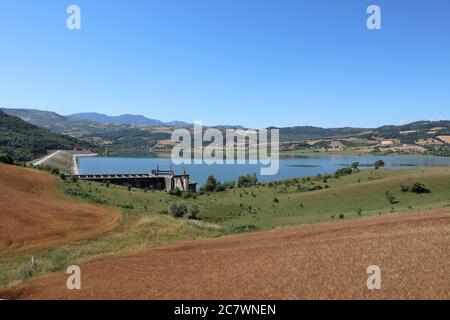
(323, 261)
(34, 214)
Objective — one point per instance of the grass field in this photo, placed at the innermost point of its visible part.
(262, 207)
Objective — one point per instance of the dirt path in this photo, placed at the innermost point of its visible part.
(323, 261)
(34, 214)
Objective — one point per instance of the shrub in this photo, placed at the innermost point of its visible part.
(275, 200)
(188, 195)
(343, 172)
(219, 187)
(229, 184)
(175, 192)
(390, 197)
(247, 181)
(316, 188)
(194, 211)
(178, 209)
(416, 187)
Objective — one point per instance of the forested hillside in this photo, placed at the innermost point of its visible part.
(25, 141)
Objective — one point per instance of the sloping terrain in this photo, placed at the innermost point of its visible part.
(322, 261)
(115, 137)
(25, 141)
(35, 214)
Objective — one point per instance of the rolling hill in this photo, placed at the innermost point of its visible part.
(138, 134)
(25, 141)
(114, 137)
(129, 119)
(35, 213)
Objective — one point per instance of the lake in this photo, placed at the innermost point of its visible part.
(289, 167)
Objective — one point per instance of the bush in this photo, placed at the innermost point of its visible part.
(416, 187)
(175, 192)
(178, 209)
(247, 181)
(390, 197)
(229, 184)
(219, 187)
(275, 200)
(343, 172)
(194, 211)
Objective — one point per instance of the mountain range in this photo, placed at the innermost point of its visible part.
(129, 119)
(139, 134)
(24, 141)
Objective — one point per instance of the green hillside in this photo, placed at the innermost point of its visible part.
(120, 138)
(25, 141)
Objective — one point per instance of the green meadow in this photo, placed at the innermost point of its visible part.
(147, 222)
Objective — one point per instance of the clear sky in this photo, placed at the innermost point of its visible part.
(252, 62)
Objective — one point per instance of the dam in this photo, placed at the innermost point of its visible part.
(156, 180)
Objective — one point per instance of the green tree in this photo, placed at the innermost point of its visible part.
(210, 184)
(5, 157)
(247, 181)
(379, 164)
(354, 165)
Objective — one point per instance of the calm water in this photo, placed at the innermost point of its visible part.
(289, 167)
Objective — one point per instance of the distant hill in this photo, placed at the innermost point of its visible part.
(140, 138)
(114, 137)
(308, 132)
(129, 119)
(25, 141)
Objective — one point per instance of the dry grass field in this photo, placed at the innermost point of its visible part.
(321, 261)
(35, 214)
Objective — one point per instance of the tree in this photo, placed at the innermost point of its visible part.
(378, 164)
(248, 180)
(343, 172)
(354, 165)
(6, 158)
(210, 184)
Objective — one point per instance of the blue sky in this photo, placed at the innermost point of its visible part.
(249, 62)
